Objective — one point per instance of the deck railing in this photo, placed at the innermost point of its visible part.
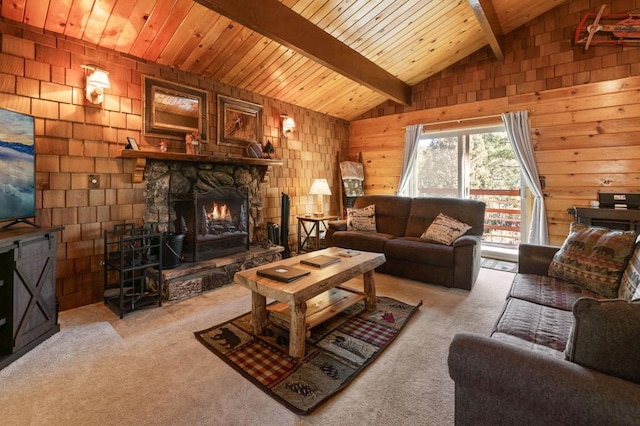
(502, 215)
(502, 220)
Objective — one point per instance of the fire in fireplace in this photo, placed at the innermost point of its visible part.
(214, 223)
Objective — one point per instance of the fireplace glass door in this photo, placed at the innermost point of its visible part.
(214, 223)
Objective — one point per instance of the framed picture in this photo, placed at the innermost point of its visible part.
(172, 110)
(239, 122)
(132, 144)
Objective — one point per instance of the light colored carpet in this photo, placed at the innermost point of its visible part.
(149, 368)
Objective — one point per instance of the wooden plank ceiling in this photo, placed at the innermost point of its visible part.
(337, 57)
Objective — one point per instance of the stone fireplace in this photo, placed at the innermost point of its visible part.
(174, 178)
(214, 223)
(177, 191)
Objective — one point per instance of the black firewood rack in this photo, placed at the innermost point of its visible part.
(132, 268)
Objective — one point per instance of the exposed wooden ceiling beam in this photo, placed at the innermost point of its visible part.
(486, 16)
(281, 24)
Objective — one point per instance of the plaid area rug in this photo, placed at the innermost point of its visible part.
(336, 352)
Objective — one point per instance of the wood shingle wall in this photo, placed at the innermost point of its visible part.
(584, 111)
(40, 74)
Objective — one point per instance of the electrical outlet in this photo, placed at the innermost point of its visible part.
(94, 181)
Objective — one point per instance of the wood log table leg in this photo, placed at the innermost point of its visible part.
(298, 329)
(370, 290)
(258, 313)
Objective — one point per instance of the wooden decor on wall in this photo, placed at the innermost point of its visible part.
(239, 122)
(620, 29)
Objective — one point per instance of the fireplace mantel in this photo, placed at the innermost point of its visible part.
(141, 158)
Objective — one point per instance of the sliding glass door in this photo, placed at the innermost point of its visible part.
(478, 164)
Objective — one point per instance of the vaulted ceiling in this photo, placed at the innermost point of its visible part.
(337, 57)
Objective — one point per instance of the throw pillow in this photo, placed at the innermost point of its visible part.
(593, 258)
(605, 336)
(630, 284)
(362, 219)
(445, 229)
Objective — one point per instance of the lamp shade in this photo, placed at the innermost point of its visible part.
(288, 124)
(320, 187)
(97, 81)
(99, 78)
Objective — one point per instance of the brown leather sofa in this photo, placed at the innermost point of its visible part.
(521, 374)
(400, 221)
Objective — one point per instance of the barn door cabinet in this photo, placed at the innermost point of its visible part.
(28, 305)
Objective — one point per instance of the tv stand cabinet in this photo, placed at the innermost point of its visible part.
(28, 305)
(17, 221)
(624, 219)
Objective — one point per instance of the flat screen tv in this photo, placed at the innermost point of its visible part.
(17, 167)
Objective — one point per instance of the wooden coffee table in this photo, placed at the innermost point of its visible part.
(311, 299)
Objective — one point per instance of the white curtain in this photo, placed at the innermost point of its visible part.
(519, 133)
(411, 139)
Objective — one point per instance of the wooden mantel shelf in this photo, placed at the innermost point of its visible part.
(141, 158)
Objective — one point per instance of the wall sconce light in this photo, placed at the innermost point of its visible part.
(320, 188)
(97, 81)
(288, 125)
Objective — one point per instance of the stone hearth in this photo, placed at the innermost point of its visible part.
(192, 278)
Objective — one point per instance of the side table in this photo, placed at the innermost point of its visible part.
(310, 231)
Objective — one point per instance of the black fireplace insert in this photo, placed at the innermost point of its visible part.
(214, 223)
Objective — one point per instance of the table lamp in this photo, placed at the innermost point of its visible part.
(320, 188)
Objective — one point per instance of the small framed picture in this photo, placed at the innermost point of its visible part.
(239, 122)
(132, 144)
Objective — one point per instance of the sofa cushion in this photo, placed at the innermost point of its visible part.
(418, 250)
(539, 324)
(425, 209)
(362, 219)
(513, 340)
(593, 258)
(392, 212)
(629, 285)
(606, 337)
(358, 240)
(445, 229)
(548, 291)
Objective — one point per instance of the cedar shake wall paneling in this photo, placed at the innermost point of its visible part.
(584, 110)
(40, 74)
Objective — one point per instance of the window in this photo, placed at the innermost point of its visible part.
(473, 163)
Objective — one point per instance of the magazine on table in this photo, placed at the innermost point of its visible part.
(320, 261)
(282, 273)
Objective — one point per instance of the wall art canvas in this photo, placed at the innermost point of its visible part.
(17, 165)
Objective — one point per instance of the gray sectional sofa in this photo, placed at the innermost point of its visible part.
(400, 222)
(559, 354)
